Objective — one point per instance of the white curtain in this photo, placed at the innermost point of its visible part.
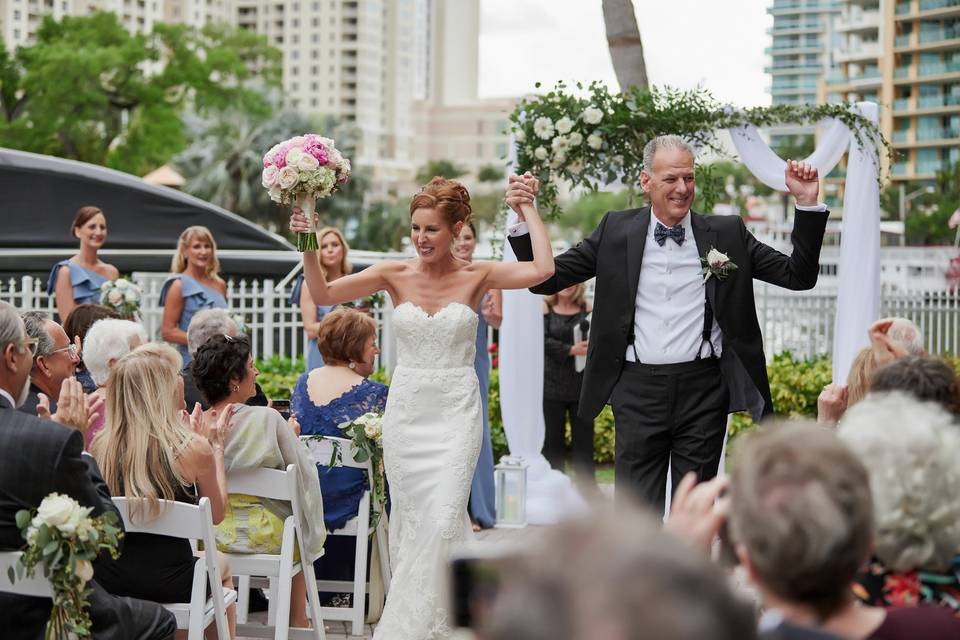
(858, 295)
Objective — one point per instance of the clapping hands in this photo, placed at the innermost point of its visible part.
(213, 425)
(803, 182)
(75, 409)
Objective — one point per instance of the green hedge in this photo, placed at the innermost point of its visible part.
(278, 376)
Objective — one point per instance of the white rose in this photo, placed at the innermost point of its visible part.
(372, 430)
(275, 193)
(288, 177)
(564, 125)
(716, 259)
(114, 297)
(106, 285)
(130, 296)
(122, 283)
(269, 177)
(592, 115)
(558, 159)
(327, 142)
(575, 168)
(307, 163)
(84, 570)
(575, 138)
(594, 141)
(543, 127)
(560, 143)
(298, 140)
(293, 156)
(519, 135)
(540, 153)
(56, 510)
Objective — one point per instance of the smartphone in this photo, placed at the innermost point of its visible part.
(474, 583)
(283, 406)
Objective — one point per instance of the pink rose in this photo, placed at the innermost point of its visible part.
(269, 176)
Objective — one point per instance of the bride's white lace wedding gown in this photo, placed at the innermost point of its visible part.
(432, 429)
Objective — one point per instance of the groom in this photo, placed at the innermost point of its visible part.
(671, 352)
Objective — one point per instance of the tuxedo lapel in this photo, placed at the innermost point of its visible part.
(636, 241)
(706, 239)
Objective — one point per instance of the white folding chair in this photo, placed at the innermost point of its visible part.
(323, 451)
(279, 568)
(37, 586)
(191, 522)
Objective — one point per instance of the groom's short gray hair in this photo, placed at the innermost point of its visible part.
(664, 142)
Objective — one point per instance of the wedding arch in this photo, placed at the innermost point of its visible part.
(594, 138)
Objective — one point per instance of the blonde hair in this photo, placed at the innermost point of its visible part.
(858, 380)
(143, 436)
(196, 232)
(345, 266)
(579, 296)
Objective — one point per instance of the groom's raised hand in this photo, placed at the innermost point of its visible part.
(521, 190)
(803, 182)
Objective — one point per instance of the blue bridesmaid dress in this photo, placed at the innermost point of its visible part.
(86, 283)
(482, 491)
(195, 298)
(312, 355)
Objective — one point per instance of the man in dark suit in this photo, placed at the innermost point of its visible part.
(56, 359)
(39, 457)
(671, 351)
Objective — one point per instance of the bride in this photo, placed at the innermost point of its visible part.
(432, 425)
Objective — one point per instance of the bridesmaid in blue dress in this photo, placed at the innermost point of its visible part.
(327, 397)
(482, 505)
(334, 262)
(194, 285)
(80, 281)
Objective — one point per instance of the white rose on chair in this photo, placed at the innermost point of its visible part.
(372, 424)
(61, 512)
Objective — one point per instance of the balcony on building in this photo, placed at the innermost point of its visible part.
(859, 51)
(783, 27)
(858, 21)
(940, 7)
(802, 6)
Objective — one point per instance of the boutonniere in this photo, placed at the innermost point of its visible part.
(716, 264)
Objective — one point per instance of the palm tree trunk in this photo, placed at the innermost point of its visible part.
(623, 40)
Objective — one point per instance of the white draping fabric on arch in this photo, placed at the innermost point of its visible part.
(858, 295)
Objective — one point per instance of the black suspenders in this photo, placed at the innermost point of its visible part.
(705, 335)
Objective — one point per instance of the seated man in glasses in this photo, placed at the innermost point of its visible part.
(55, 359)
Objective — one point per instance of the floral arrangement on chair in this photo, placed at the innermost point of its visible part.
(300, 170)
(122, 296)
(366, 443)
(63, 538)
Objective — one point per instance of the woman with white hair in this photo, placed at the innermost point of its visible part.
(105, 342)
(910, 449)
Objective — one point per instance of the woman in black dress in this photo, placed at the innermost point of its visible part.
(562, 313)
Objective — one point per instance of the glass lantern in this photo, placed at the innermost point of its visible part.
(511, 481)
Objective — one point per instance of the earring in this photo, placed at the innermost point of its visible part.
(352, 365)
(236, 388)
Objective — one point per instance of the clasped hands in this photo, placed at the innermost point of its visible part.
(521, 191)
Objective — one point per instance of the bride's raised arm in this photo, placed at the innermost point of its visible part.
(520, 275)
(344, 289)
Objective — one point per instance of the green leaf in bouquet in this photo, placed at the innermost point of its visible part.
(11, 576)
(23, 518)
(51, 547)
(361, 455)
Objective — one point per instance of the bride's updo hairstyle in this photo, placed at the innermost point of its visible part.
(449, 197)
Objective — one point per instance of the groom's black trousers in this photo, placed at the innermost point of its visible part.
(664, 413)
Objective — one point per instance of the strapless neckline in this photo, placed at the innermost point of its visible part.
(438, 311)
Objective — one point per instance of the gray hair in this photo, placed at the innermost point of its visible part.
(206, 324)
(800, 504)
(109, 339)
(11, 326)
(664, 142)
(911, 449)
(35, 324)
(908, 335)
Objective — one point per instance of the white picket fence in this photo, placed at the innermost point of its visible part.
(799, 322)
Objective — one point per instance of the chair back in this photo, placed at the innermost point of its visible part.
(264, 483)
(37, 586)
(175, 519)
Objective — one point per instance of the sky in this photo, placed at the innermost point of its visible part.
(716, 44)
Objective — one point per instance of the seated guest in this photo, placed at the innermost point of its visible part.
(55, 360)
(925, 378)
(325, 398)
(146, 450)
(911, 450)
(801, 519)
(40, 457)
(258, 437)
(106, 342)
(204, 325)
(608, 578)
(76, 326)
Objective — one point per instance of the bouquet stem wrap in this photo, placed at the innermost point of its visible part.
(307, 241)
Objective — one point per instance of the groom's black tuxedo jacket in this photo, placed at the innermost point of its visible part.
(613, 254)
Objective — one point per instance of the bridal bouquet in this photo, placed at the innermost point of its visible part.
(300, 170)
(122, 296)
(63, 538)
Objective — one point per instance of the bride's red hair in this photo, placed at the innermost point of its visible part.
(449, 197)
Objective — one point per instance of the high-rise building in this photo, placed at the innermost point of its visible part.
(800, 54)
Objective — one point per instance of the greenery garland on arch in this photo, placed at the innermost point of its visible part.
(598, 138)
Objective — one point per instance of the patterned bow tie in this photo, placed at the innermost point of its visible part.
(661, 233)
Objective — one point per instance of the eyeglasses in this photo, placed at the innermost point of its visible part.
(31, 345)
(70, 348)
